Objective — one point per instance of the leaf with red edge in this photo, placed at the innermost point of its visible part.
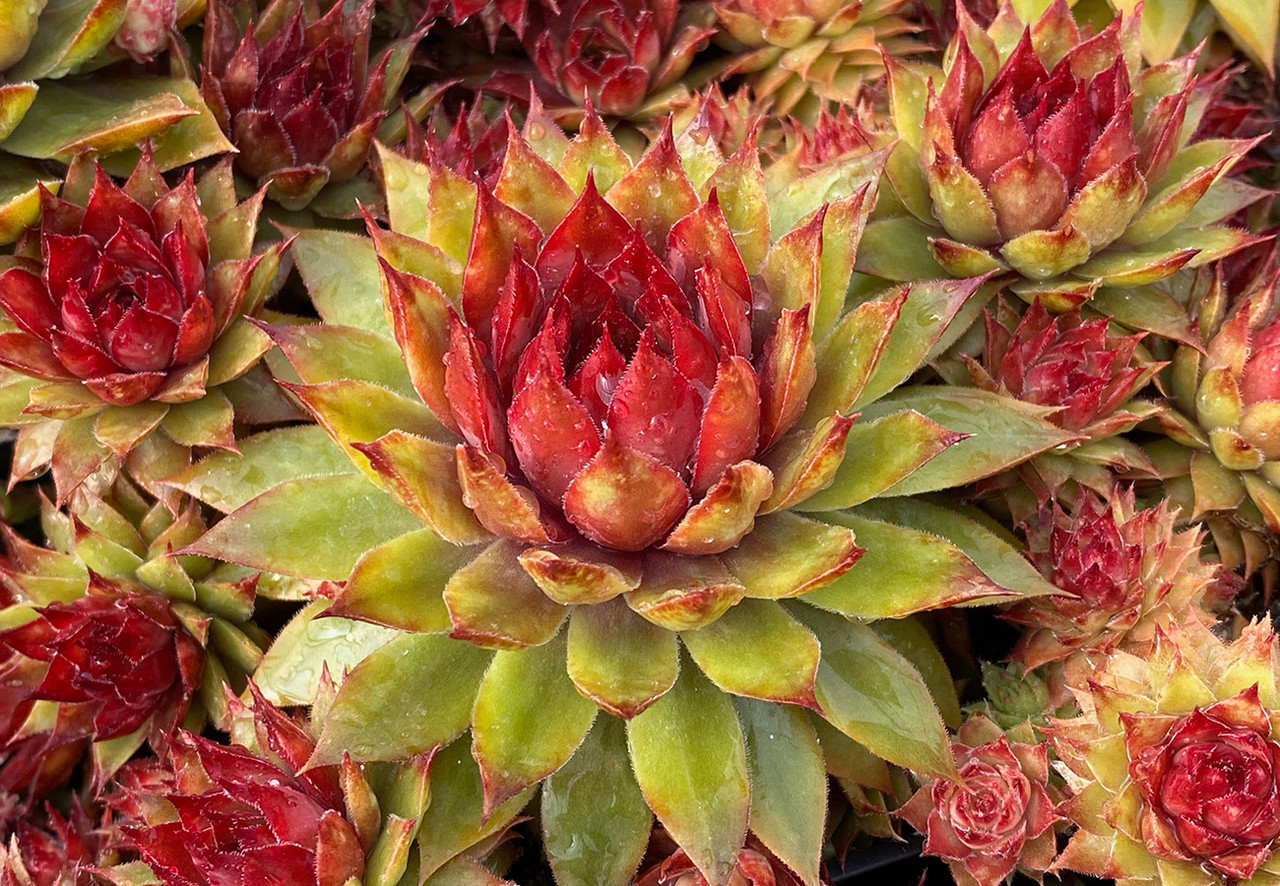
(788, 370)
(703, 238)
(624, 499)
(493, 602)
(552, 433)
(592, 228)
(579, 572)
(527, 721)
(806, 462)
(683, 593)
(787, 555)
(503, 507)
(654, 410)
(730, 423)
(473, 392)
(655, 193)
(422, 475)
(725, 514)
(421, 318)
(498, 233)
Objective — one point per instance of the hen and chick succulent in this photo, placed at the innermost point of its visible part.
(607, 473)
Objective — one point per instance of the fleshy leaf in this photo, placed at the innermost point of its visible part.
(226, 480)
(903, 571)
(788, 784)
(400, 583)
(787, 555)
(999, 557)
(690, 761)
(1002, 432)
(341, 275)
(878, 454)
(873, 695)
(409, 697)
(909, 637)
(785, 657)
(454, 821)
(290, 673)
(493, 602)
(619, 660)
(595, 824)
(315, 527)
(527, 721)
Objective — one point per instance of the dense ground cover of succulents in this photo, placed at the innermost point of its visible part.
(609, 442)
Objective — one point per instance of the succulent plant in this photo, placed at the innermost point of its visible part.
(1055, 158)
(210, 811)
(1220, 455)
(146, 680)
(1173, 763)
(1121, 571)
(58, 852)
(299, 93)
(605, 390)
(623, 56)
(802, 55)
(126, 313)
(108, 595)
(997, 817)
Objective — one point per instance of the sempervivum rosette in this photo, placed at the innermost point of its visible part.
(299, 95)
(1221, 458)
(1053, 156)
(1120, 571)
(800, 55)
(1175, 763)
(125, 314)
(113, 637)
(205, 812)
(606, 389)
(623, 56)
(1083, 369)
(998, 816)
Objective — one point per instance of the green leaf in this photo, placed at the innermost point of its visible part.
(690, 761)
(69, 33)
(19, 195)
(619, 660)
(788, 784)
(104, 115)
(1147, 308)
(1003, 432)
(290, 671)
(341, 273)
(315, 527)
(527, 721)
(879, 454)
(227, 480)
(756, 649)
(208, 421)
(1000, 559)
(928, 310)
(493, 602)
(595, 824)
(897, 248)
(409, 697)
(192, 138)
(872, 694)
(454, 822)
(908, 637)
(903, 571)
(400, 583)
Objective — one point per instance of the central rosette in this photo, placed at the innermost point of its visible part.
(615, 386)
